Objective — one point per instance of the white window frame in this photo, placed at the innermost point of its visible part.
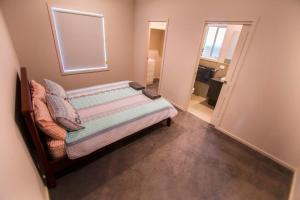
(81, 69)
(215, 38)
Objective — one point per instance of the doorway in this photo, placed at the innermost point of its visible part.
(221, 47)
(155, 54)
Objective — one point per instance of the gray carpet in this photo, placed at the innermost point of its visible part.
(189, 160)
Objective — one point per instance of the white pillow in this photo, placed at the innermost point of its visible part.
(55, 89)
(63, 113)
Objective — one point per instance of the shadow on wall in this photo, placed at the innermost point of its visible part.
(19, 120)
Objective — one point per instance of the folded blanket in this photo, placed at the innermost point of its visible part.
(136, 86)
(151, 94)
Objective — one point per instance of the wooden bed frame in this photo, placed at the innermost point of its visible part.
(48, 168)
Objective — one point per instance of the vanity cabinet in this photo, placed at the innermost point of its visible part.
(215, 86)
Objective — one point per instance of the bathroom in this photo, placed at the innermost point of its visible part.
(218, 48)
(155, 53)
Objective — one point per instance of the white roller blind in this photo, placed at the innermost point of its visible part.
(80, 40)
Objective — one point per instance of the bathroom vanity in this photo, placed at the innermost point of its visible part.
(215, 86)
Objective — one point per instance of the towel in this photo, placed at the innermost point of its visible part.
(151, 94)
(136, 86)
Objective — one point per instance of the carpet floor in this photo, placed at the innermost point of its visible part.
(189, 160)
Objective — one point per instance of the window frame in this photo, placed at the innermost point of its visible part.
(215, 38)
(81, 69)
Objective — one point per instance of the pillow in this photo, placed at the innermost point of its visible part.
(55, 89)
(56, 148)
(45, 122)
(37, 90)
(63, 113)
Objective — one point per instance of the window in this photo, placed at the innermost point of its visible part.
(213, 42)
(80, 40)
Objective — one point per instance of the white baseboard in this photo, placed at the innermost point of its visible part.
(255, 148)
(177, 106)
(277, 160)
(47, 193)
(293, 188)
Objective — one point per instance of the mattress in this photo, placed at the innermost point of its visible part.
(111, 112)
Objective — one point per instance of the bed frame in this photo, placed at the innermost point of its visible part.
(48, 168)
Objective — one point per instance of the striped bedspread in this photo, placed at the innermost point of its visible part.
(111, 112)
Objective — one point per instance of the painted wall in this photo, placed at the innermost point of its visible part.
(18, 176)
(29, 25)
(264, 109)
(157, 40)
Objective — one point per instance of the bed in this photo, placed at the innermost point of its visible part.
(111, 114)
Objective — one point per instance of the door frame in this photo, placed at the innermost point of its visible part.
(163, 54)
(218, 114)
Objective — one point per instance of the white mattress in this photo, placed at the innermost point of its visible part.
(111, 112)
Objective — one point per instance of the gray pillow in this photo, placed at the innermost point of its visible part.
(55, 89)
(63, 113)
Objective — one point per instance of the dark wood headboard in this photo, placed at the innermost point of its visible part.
(39, 151)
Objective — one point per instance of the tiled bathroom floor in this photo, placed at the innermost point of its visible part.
(199, 107)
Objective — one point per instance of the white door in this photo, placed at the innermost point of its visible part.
(230, 77)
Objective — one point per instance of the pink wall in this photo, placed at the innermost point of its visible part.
(264, 109)
(19, 177)
(29, 25)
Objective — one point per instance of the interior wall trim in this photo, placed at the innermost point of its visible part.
(293, 186)
(259, 150)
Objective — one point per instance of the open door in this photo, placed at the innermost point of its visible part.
(218, 50)
(155, 54)
(231, 75)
